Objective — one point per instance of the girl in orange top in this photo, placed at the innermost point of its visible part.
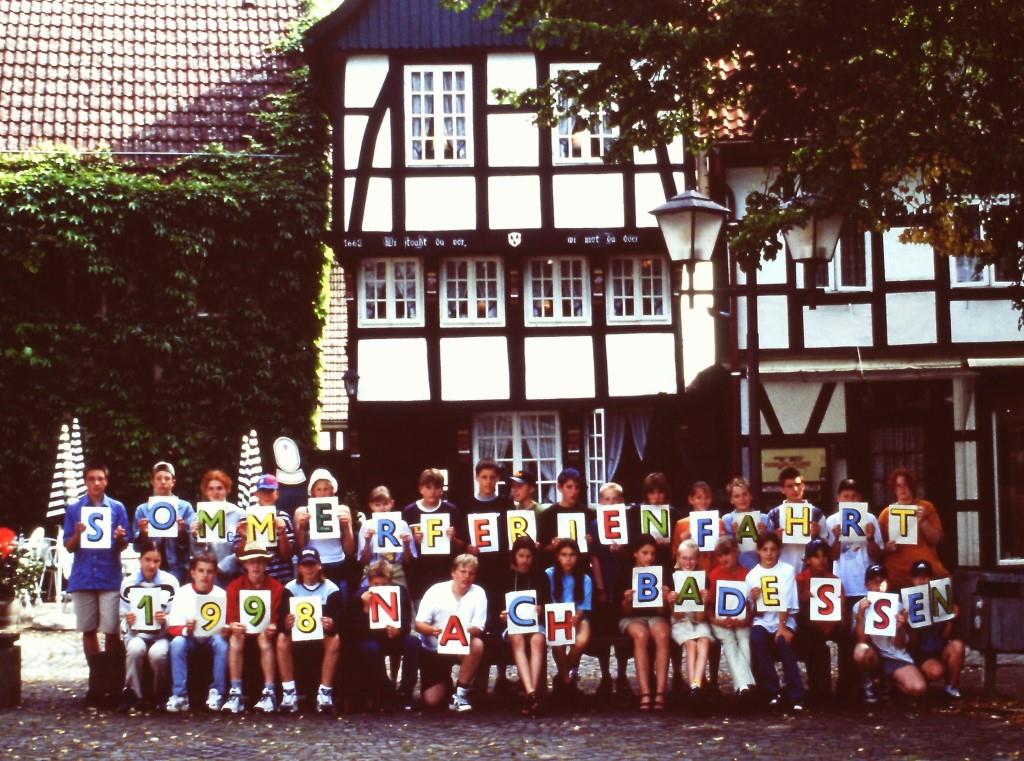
(899, 558)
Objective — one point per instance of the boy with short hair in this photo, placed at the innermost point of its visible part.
(886, 656)
(94, 585)
(181, 625)
(173, 550)
(522, 487)
(936, 651)
(457, 597)
(382, 502)
(429, 569)
(812, 637)
(310, 583)
(255, 559)
(280, 565)
(793, 488)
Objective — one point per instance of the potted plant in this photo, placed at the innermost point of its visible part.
(19, 574)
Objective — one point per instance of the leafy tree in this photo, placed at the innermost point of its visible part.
(171, 308)
(895, 112)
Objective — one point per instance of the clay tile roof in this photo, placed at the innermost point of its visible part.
(137, 75)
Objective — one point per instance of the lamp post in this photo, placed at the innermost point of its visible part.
(691, 223)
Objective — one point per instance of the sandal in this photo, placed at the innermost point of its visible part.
(645, 702)
(659, 701)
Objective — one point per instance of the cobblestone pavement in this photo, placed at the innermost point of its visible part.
(52, 723)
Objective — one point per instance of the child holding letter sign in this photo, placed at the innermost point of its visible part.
(218, 531)
(821, 620)
(570, 583)
(899, 558)
(369, 553)
(145, 599)
(333, 550)
(95, 532)
(452, 613)
(428, 568)
(396, 641)
(644, 625)
(743, 523)
(161, 509)
(310, 583)
(524, 590)
(774, 597)
(255, 559)
(732, 631)
(884, 654)
(196, 621)
(795, 522)
(690, 629)
(279, 564)
(936, 651)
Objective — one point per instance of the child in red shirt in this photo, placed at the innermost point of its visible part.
(254, 559)
(812, 636)
(734, 631)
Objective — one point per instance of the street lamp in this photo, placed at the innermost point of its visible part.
(690, 224)
(351, 380)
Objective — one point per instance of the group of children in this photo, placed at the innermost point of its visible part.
(225, 613)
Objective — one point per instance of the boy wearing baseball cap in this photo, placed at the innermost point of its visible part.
(310, 583)
(173, 550)
(936, 651)
(254, 559)
(279, 565)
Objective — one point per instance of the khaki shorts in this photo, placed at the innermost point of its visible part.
(648, 621)
(96, 610)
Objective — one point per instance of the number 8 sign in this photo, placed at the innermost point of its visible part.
(309, 618)
(254, 607)
(209, 615)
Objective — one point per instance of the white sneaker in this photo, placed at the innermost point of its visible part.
(234, 702)
(214, 700)
(953, 692)
(176, 704)
(459, 704)
(266, 703)
(324, 702)
(289, 701)
(869, 692)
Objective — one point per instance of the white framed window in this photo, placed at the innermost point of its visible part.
(390, 292)
(584, 138)
(596, 462)
(522, 440)
(557, 291)
(971, 272)
(474, 292)
(850, 268)
(639, 289)
(438, 115)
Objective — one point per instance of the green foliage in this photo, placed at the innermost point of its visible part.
(19, 571)
(894, 112)
(170, 308)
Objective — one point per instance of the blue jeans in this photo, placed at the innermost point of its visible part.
(764, 651)
(182, 647)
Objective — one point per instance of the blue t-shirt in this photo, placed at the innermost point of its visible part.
(94, 568)
(569, 590)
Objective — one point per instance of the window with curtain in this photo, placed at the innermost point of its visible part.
(850, 268)
(585, 137)
(474, 292)
(390, 292)
(639, 289)
(438, 108)
(557, 291)
(518, 440)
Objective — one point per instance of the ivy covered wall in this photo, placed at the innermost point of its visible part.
(170, 308)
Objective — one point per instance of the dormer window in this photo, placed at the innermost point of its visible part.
(438, 115)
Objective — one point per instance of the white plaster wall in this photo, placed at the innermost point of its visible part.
(393, 369)
(906, 261)
(910, 318)
(641, 363)
(354, 129)
(440, 203)
(772, 322)
(559, 367)
(364, 76)
(987, 321)
(378, 216)
(837, 325)
(512, 71)
(513, 202)
(648, 194)
(588, 200)
(474, 368)
(512, 140)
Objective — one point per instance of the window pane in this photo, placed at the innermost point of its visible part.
(852, 255)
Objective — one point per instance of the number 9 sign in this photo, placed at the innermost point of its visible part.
(209, 616)
(254, 605)
(309, 618)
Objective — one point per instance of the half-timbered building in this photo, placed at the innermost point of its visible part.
(509, 295)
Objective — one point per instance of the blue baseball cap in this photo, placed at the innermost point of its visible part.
(267, 482)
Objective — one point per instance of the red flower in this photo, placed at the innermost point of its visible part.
(7, 538)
